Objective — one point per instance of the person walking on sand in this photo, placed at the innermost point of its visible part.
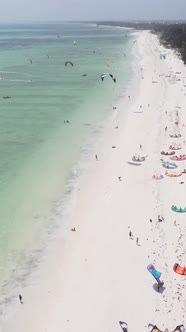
(137, 241)
(96, 157)
(20, 298)
(130, 235)
(140, 146)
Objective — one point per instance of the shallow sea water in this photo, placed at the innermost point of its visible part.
(37, 149)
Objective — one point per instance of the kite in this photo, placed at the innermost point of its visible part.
(155, 274)
(179, 328)
(106, 74)
(179, 269)
(66, 63)
(124, 326)
(152, 328)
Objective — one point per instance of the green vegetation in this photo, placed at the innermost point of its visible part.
(171, 34)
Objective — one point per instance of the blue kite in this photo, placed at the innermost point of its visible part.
(155, 274)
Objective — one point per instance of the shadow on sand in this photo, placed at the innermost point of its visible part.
(159, 289)
(134, 164)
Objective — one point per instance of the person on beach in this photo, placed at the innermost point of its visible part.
(96, 157)
(140, 146)
(150, 220)
(166, 128)
(20, 298)
(73, 229)
(137, 241)
(128, 97)
(130, 235)
(119, 178)
(160, 219)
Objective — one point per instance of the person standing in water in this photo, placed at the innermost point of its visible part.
(20, 298)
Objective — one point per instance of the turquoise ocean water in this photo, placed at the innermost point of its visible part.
(37, 149)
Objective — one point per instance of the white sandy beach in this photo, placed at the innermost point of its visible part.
(90, 279)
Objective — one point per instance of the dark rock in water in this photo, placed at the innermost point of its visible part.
(6, 97)
(84, 75)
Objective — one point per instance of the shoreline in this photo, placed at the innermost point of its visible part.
(45, 180)
(63, 204)
(101, 275)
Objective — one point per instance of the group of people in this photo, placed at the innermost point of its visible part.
(132, 237)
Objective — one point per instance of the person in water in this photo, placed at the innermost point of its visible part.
(20, 298)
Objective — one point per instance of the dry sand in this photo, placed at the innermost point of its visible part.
(92, 278)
